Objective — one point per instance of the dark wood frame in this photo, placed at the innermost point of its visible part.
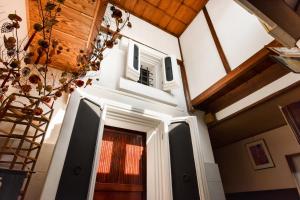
(24, 156)
(225, 84)
(217, 41)
(292, 168)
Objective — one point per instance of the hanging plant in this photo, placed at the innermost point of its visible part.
(24, 66)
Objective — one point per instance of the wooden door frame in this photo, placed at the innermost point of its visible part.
(289, 159)
(121, 115)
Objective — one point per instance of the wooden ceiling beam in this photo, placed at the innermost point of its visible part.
(230, 79)
(97, 21)
(268, 73)
(217, 41)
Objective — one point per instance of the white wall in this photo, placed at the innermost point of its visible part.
(240, 33)
(236, 169)
(156, 41)
(152, 36)
(113, 68)
(202, 62)
(11, 7)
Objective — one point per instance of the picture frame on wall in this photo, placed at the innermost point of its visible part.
(259, 155)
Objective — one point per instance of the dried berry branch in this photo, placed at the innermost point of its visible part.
(25, 67)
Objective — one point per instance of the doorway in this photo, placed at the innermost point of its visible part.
(294, 164)
(122, 167)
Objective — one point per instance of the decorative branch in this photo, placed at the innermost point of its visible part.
(26, 67)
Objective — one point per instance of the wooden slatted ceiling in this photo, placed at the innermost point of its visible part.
(80, 18)
(173, 16)
(78, 21)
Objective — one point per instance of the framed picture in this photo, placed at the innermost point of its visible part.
(259, 155)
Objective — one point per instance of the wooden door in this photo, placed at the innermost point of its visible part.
(122, 168)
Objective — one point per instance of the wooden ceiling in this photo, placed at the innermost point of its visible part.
(80, 19)
(173, 16)
(77, 27)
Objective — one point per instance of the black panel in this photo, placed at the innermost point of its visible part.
(136, 57)
(11, 184)
(168, 66)
(75, 178)
(184, 178)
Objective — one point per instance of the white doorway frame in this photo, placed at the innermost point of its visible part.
(116, 114)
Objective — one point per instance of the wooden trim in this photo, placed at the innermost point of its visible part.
(234, 74)
(185, 83)
(180, 49)
(101, 6)
(217, 41)
(265, 73)
(186, 87)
